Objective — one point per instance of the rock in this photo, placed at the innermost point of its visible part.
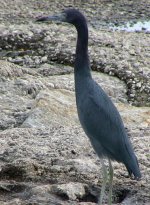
(51, 70)
(10, 70)
(71, 191)
(41, 139)
(13, 202)
(113, 86)
(45, 157)
(41, 102)
(110, 52)
(44, 59)
(48, 104)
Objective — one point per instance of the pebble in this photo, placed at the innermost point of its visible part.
(139, 84)
(44, 59)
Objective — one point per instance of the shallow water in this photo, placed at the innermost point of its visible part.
(133, 26)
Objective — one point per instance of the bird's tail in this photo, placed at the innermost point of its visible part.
(134, 170)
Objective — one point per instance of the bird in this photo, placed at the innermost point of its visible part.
(97, 114)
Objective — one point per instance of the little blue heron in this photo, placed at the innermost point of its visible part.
(98, 116)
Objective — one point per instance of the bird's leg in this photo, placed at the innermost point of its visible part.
(104, 171)
(111, 173)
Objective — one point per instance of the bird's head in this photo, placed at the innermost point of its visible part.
(72, 16)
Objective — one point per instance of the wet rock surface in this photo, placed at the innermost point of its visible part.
(45, 157)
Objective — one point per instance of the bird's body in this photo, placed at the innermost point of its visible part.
(98, 116)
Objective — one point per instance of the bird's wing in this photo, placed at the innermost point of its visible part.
(107, 125)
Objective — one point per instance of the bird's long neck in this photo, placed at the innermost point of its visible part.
(82, 67)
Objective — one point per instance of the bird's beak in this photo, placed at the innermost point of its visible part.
(58, 17)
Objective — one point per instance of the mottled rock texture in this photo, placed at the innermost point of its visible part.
(45, 157)
(124, 55)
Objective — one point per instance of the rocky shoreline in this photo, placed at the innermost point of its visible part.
(45, 157)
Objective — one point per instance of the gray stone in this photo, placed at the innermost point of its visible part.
(45, 157)
(71, 191)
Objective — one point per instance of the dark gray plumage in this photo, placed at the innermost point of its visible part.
(98, 116)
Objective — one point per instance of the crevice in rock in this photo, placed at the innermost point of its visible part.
(91, 195)
(120, 195)
(11, 172)
(11, 187)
